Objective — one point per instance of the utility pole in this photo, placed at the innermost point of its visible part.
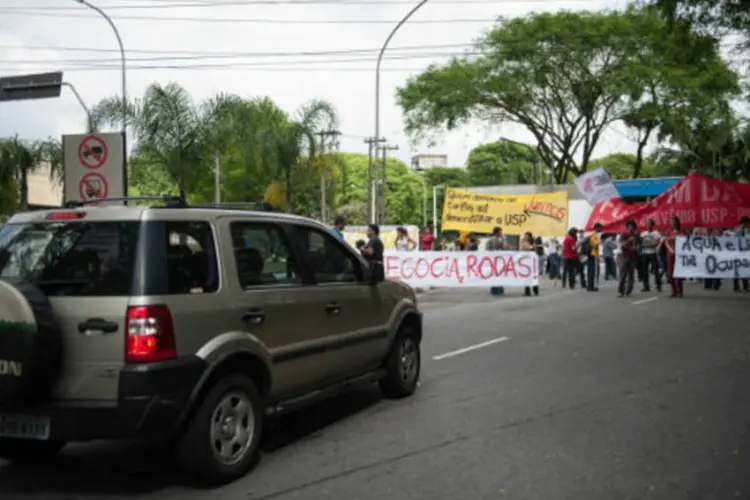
(372, 180)
(384, 149)
(325, 141)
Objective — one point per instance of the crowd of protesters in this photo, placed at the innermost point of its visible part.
(638, 255)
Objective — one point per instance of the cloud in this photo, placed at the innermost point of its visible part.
(288, 80)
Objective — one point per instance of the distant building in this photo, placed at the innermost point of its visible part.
(43, 191)
(424, 162)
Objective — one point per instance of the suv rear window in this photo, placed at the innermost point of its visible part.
(71, 258)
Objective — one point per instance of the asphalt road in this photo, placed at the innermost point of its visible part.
(587, 397)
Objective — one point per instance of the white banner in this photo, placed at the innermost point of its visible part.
(713, 257)
(596, 186)
(463, 269)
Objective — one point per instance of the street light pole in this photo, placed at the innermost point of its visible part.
(377, 81)
(122, 59)
(434, 207)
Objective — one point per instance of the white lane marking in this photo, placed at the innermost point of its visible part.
(645, 301)
(470, 348)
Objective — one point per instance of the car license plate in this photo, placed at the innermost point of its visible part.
(24, 427)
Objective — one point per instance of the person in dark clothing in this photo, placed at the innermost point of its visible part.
(373, 252)
(630, 242)
(571, 258)
(528, 245)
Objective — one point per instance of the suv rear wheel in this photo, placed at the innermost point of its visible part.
(402, 366)
(222, 438)
(28, 451)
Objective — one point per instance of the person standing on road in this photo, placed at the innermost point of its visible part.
(592, 264)
(669, 241)
(650, 243)
(571, 258)
(339, 223)
(629, 243)
(553, 259)
(608, 252)
(742, 230)
(528, 245)
(373, 252)
(495, 244)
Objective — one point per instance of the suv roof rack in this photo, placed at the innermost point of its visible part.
(238, 205)
(169, 201)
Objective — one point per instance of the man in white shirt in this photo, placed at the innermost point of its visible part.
(650, 258)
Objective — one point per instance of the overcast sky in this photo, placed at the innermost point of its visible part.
(245, 38)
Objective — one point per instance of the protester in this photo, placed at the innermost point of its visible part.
(608, 252)
(373, 252)
(592, 263)
(669, 241)
(496, 243)
(629, 243)
(528, 245)
(650, 259)
(742, 230)
(427, 239)
(571, 258)
(553, 259)
(473, 244)
(713, 283)
(404, 242)
(339, 223)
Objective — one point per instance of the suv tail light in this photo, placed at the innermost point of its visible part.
(150, 334)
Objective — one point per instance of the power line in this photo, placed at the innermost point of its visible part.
(242, 3)
(167, 61)
(197, 54)
(250, 20)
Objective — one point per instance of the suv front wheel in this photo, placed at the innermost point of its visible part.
(403, 366)
(222, 439)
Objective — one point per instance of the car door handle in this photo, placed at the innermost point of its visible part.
(333, 309)
(97, 326)
(254, 316)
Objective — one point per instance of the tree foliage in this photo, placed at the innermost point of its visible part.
(567, 76)
(504, 162)
(18, 159)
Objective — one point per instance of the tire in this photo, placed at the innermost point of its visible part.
(403, 366)
(26, 451)
(31, 344)
(197, 451)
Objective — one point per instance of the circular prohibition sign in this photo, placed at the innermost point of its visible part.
(93, 186)
(92, 152)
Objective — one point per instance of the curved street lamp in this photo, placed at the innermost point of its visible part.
(122, 59)
(377, 102)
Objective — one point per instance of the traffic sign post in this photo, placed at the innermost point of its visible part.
(94, 166)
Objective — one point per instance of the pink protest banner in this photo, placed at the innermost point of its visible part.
(463, 269)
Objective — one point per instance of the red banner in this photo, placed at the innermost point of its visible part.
(697, 200)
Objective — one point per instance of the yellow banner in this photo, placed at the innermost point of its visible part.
(541, 214)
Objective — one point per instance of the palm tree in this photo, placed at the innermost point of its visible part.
(276, 146)
(20, 158)
(168, 126)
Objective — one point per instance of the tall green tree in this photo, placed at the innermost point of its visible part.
(566, 77)
(20, 158)
(504, 162)
(168, 127)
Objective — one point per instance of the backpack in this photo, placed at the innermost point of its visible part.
(586, 246)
